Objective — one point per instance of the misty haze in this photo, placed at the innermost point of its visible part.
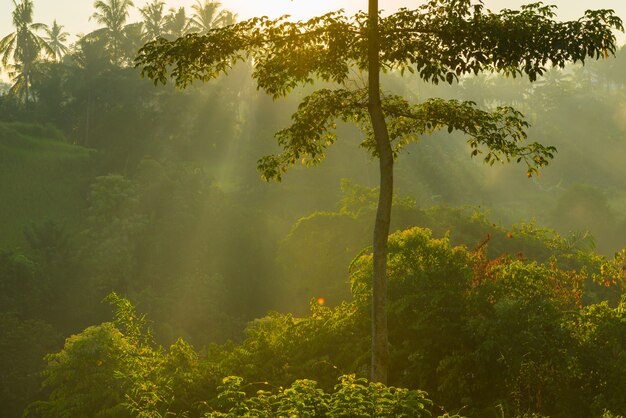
(208, 214)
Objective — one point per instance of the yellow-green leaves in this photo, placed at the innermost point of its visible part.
(496, 134)
(442, 40)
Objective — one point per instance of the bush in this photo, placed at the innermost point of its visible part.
(352, 397)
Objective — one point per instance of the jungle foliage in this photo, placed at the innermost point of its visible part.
(110, 185)
(451, 312)
(440, 40)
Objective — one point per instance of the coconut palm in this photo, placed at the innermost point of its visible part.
(176, 23)
(90, 61)
(113, 14)
(22, 81)
(23, 47)
(206, 16)
(134, 38)
(56, 38)
(153, 19)
(228, 18)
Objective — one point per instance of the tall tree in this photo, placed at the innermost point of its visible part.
(442, 40)
(154, 20)
(380, 338)
(176, 23)
(23, 47)
(90, 61)
(207, 15)
(134, 38)
(56, 38)
(228, 18)
(112, 14)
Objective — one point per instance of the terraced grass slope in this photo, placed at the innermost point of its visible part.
(42, 178)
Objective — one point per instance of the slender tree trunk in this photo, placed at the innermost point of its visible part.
(380, 345)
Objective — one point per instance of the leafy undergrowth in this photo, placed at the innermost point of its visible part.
(505, 337)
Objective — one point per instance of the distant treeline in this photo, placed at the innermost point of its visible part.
(35, 43)
(108, 184)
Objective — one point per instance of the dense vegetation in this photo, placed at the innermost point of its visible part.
(110, 185)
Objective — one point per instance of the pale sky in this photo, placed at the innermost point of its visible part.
(74, 14)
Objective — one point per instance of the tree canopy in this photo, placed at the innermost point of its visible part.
(442, 40)
(24, 47)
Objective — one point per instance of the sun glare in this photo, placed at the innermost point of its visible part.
(297, 9)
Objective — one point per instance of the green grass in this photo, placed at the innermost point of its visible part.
(41, 178)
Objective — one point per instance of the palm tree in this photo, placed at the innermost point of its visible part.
(22, 81)
(56, 38)
(153, 19)
(207, 15)
(113, 14)
(90, 61)
(228, 18)
(134, 38)
(23, 47)
(176, 23)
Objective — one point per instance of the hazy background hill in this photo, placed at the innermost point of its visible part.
(110, 184)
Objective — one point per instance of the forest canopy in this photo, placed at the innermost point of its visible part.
(146, 270)
(442, 40)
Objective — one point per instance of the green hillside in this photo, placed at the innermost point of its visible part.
(148, 270)
(42, 178)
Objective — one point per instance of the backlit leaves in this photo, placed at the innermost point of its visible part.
(285, 54)
(445, 40)
(441, 40)
(496, 134)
